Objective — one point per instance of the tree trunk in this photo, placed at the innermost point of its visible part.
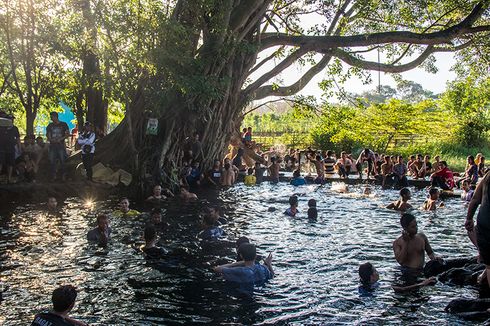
(30, 117)
(96, 107)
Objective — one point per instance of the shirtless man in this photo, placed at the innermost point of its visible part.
(402, 203)
(410, 246)
(320, 168)
(431, 203)
(227, 175)
(274, 170)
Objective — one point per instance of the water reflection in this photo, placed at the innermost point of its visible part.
(316, 261)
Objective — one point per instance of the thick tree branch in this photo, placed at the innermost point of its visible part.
(271, 90)
(265, 60)
(323, 43)
(289, 60)
(392, 68)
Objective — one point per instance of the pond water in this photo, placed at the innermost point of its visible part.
(315, 262)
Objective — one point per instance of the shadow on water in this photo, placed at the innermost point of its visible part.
(316, 261)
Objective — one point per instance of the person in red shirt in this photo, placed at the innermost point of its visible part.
(443, 178)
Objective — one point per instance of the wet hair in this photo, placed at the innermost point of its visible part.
(404, 192)
(365, 272)
(250, 171)
(296, 173)
(293, 200)
(241, 241)
(312, 203)
(433, 191)
(247, 251)
(406, 219)
(150, 233)
(156, 211)
(312, 212)
(53, 114)
(227, 166)
(123, 199)
(63, 298)
(102, 217)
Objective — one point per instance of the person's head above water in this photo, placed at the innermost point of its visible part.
(241, 241)
(405, 193)
(296, 173)
(293, 201)
(434, 193)
(250, 171)
(312, 203)
(209, 220)
(247, 251)
(124, 205)
(52, 203)
(213, 211)
(156, 215)
(103, 222)
(63, 299)
(157, 191)
(368, 274)
(409, 223)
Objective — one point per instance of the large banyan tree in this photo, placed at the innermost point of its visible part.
(213, 57)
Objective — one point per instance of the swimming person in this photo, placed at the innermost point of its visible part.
(297, 180)
(293, 206)
(250, 179)
(52, 204)
(228, 176)
(481, 197)
(402, 203)
(150, 248)
(102, 233)
(211, 230)
(214, 212)
(369, 278)
(312, 211)
(124, 210)
(259, 173)
(468, 191)
(63, 299)
(430, 203)
(186, 195)
(410, 246)
(156, 195)
(247, 273)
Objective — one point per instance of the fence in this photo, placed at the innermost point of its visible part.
(288, 138)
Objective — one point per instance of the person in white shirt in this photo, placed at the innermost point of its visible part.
(86, 140)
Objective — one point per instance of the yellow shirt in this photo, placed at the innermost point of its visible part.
(130, 213)
(250, 180)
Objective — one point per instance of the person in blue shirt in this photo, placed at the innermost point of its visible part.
(211, 230)
(297, 180)
(195, 176)
(247, 273)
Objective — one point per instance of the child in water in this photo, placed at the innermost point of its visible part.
(431, 203)
(468, 191)
(297, 180)
(402, 203)
(293, 209)
(369, 278)
(211, 230)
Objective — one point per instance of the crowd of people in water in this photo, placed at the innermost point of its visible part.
(251, 270)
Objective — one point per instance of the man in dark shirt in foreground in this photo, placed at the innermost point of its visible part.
(63, 301)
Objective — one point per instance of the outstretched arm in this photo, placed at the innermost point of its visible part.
(219, 269)
(429, 281)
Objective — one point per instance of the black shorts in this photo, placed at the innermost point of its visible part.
(483, 241)
(7, 158)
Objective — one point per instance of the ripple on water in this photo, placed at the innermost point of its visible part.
(316, 262)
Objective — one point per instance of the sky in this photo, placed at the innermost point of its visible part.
(430, 81)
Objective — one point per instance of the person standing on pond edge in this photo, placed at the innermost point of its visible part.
(56, 132)
(9, 138)
(87, 142)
